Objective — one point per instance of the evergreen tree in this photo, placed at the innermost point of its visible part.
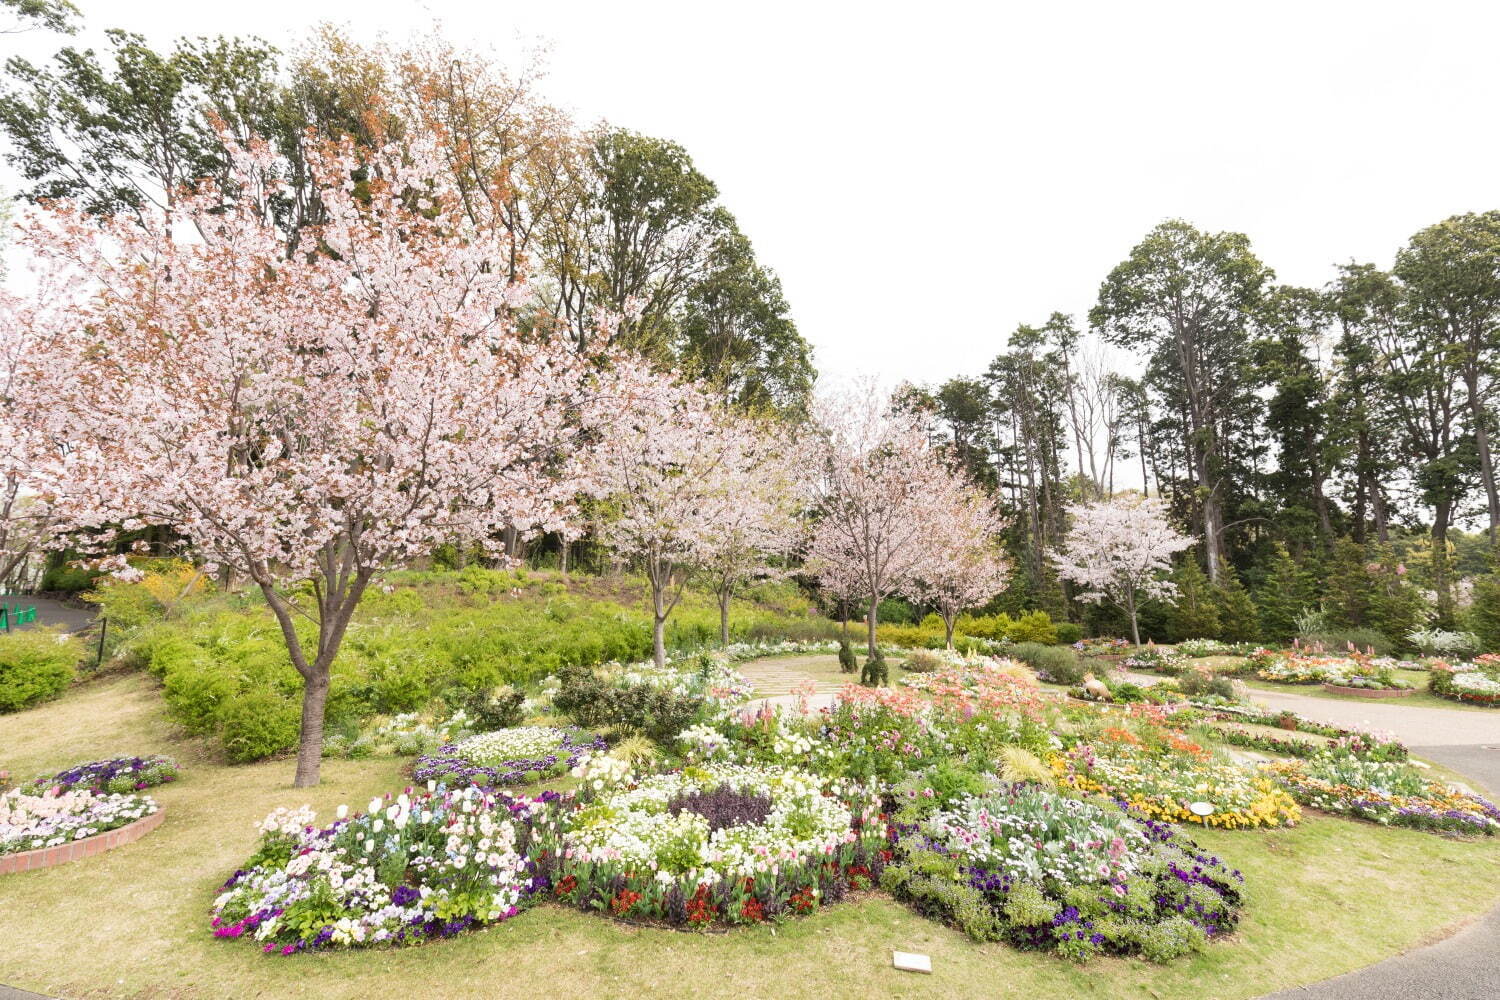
(1347, 587)
(1196, 614)
(1396, 604)
(1286, 592)
(1239, 620)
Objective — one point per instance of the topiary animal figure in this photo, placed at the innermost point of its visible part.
(847, 660)
(875, 673)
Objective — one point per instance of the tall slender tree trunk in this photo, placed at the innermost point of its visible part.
(1480, 416)
(1135, 628)
(948, 622)
(724, 616)
(870, 622)
(1442, 514)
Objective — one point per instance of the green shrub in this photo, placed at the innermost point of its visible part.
(1059, 664)
(847, 661)
(1034, 626)
(1068, 632)
(259, 724)
(497, 708)
(36, 664)
(656, 713)
(875, 673)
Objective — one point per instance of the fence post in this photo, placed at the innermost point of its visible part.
(103, 626)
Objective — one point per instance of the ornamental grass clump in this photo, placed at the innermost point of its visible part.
(409, 869)
(1042, 871)
(723, 844)
(513, 756)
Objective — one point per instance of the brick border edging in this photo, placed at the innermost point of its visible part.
(1370, 692)
(47, 857)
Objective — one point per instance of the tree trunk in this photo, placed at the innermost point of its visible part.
(563, 557)
(310, 741)
(870, 624)
(1486, 464)
(1440, 583)
(659, 640)
(724, 617)
(948, 621)
(1135, 628)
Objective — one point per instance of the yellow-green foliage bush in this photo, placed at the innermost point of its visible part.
(222, 658)
(36, 664)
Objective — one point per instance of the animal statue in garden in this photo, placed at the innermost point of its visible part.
(1095, 688)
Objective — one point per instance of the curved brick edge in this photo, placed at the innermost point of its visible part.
(47, 857)
(1371, 692)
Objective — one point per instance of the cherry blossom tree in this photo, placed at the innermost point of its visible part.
(671, 470)
(307, 420)
(964, 564)
(1120, 550)
(25, 516)
(760, 516)
(877, 481)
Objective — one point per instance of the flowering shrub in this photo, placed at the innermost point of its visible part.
(1164, 786)
(1391, 793)
(719, 844)
(1475, 684)
(32, 821)
(1042, 871)
(119, 775)
(506, 756)
(409, 869)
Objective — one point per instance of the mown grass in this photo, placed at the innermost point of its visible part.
(1324, 898)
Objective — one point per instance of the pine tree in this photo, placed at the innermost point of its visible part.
(1239, 620)
(1285, 594)
(1196, 615)
(1347, 586)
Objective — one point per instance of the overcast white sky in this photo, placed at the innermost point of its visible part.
(926, 176)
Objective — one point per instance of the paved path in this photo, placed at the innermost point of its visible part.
(51, 612)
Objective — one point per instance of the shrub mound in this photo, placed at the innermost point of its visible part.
(1041, 871)
(35, 665)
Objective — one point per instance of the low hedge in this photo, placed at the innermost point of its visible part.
(36, 664)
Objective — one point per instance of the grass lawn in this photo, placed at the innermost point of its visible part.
(775, 674)
(1326, 897)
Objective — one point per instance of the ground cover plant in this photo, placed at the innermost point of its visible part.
(118, 775)
(1165, 782)
(410, 868)
(1476, 683)
(36, 664)
(1387, 792)
(503, 757)
(717, 844)
(31, 821)
(1043, 871)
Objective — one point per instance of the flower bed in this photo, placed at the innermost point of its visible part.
(1042, 871)
(408, 870)
(1340, 671)
(504, 757)
(1386, 792)
(1166, 786)
(117, 775)
(31, 822)
(1476, 686)
(1156, 660)
(1360, 688)
(720, 844)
